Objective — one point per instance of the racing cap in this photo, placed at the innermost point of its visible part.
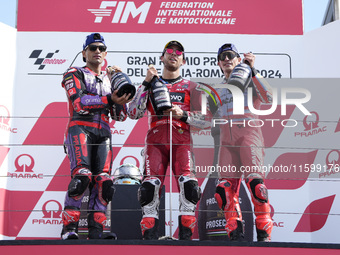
(227, 46)
(173, 43)
(92, 38)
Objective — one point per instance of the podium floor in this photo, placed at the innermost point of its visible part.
(164, 247)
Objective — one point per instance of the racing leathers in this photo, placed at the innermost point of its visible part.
(241, 152)
(88, 146)
(157, 154)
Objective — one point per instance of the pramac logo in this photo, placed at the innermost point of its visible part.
(52, 211)
(104, 65)
(4, 120)
(24, 164)
(332, 163)
(128, 159)
(279, 224)
(114, 130)
(311, 122)
(333, 157)
(311, 125)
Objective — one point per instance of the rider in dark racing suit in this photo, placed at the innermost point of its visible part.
(88, 139)
(157, 149)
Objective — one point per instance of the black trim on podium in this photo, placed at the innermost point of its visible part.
(171, 243)
(126, 213)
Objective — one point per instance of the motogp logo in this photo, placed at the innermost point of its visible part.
(47, 60)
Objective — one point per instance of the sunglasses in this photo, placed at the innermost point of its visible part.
(230, 54)
(178, 52)
(101, 48)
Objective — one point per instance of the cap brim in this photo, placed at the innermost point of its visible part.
(176, 43)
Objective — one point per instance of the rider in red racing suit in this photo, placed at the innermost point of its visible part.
(157, 149)
(242, 149)
(88, 139)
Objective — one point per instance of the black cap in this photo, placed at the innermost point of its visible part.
(173, 43)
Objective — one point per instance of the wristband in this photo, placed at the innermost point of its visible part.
(109, 100)
(253, 71)
(146, 84)
(185, 116)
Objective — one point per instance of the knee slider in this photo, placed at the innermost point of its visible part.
(256, 186)
(222, 189)
(106, 184)
(149, 190)
(79, 182)
(192, 192)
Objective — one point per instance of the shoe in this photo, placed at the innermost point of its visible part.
(149, 227)
(235, 230)
(70, 236)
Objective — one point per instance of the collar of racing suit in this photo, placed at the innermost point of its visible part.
(171, 81)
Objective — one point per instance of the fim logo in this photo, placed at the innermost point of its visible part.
(122, 11)
(311, 125)
(51, 210)
(24, 164)
(47, 60)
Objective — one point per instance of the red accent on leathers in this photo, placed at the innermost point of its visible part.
(70, 216)
(263, 220)
(99, 180)
(100, 218)
(189, 221)
(158, 148)
(147, 223)
(231, 209)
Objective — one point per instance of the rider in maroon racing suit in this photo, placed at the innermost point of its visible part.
(157, 149)
(88, 139)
